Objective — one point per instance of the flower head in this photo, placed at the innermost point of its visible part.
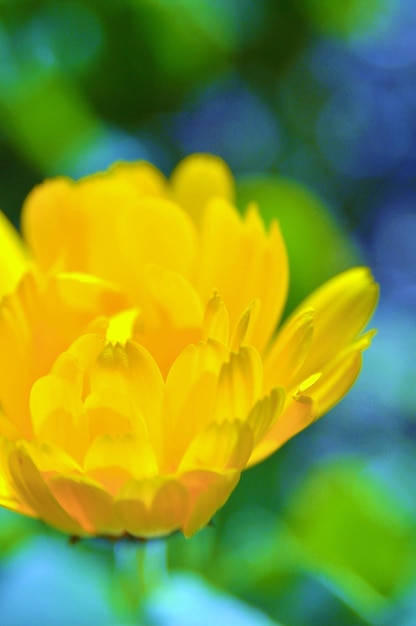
(141, 371)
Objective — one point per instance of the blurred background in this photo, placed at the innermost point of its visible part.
(313, 105)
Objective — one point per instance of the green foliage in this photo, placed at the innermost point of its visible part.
(355, 530)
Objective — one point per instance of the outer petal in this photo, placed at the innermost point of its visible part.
(197, 179)
(87, 503)
(13, 258)
(207, 491)
(297, 414)
(342, 307)
(338, 375)
(146, 179)
(289, 350)
(34, 494)
(152, 508)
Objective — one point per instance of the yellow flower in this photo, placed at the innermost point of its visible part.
(140, 370)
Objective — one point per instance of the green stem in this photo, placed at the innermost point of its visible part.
(139, 568)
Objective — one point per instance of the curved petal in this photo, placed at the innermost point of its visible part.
(191, 396)
(127, 380)
(128, 452)
(338, 376)
(297, 414)
(34, 493)
(243, 263)
(342, 308)
(152, 508)
(289, 350)
(220, 447)
(197, 179)
(207, 492)
(87, 503)
(13, 258)
(146, 179)
(240, 385)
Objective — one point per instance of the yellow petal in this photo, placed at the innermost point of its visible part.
(342, 307)
(83, 292)
(240, 384)
(207, 492)
(146, 179)
(152, 508)
(175, 296)
(288, 351)
(338, 376)
(8, 496)
(156, 232)
(13, 258)
(220, 447)
(127, 452)
(216, 320)
(191, 396)
(244, 328)
(296, 415)
(58, 415)
(79, 234)
(87, 503)
(243, 263)
(265, 413)
(197, 179)
(35, 494)
(128, 377)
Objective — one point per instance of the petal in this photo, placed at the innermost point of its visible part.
(207, 491)
(190, 396)
(216, 320)
(338, 376)
(197, 179)
(127, 452)
(243, 331)
(146, 179)
(156, 232)
(342, 306)
(288, 351)
(8, 496)
(72, 224)
(87, 503)
(220, 447)
(127, 379)
(13, 258)
(265, 413)
(58, 415)
(172, 316)
(175, 296)
(296, 415)
(34, 493)
(243, 263)
(240, 384)
(152, 508)
(83, 292)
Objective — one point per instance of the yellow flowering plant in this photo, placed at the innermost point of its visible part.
(141, 371)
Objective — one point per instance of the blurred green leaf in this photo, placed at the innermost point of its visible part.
(14, 530)
(353, 528)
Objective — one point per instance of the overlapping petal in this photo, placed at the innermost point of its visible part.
(141, 369)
